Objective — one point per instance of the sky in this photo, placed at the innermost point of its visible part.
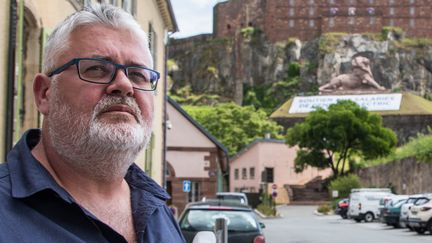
(193, 16)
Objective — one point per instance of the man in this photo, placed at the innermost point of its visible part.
(74, 180)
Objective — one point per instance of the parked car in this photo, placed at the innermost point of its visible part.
(420, 215)
(233, 196)
(342, 208)
(387, 202)
(364, 203)
(243, 225)
(403, 220)
(391, 213)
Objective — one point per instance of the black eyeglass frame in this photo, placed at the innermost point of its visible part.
(117, 66)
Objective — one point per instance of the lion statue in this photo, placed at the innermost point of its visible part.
(360, 78)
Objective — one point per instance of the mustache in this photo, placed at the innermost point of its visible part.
(110, 100)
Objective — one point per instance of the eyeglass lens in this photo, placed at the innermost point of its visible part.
(103, 72)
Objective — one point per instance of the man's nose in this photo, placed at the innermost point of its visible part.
(121, 85)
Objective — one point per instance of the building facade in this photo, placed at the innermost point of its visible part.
(275, 159)
(26, 24)
(308, 19)
(195, 156)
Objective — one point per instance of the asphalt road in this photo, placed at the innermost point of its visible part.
(299, 224)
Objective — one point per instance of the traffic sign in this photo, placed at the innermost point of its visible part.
(274, 194)
(274, 186)
(186, 186)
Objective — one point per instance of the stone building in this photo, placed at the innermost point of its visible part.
(308, 19)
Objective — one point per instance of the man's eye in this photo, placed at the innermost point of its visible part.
(138, 77)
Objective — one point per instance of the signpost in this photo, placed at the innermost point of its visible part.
(186, 186)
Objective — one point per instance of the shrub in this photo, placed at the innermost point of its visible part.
(324, 208)
(266, 209)
(344, 184)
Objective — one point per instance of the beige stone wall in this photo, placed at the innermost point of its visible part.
(149, 13)
(406, 176)
(4, 38)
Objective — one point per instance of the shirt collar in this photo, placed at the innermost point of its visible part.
(28, 176)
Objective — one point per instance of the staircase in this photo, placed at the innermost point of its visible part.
(309, 193)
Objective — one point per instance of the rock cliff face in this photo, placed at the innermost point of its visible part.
(224, 66)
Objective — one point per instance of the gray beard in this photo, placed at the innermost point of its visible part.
(98, 149)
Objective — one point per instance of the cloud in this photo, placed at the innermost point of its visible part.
(193, 16)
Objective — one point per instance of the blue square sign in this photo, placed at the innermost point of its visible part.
(186, 186)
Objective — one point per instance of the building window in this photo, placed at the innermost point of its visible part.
(391, 2)
(252, 189)
(352, 2)
(236, 174)
(291, 23)
(371, 11)
(311, 23)
(351, 11)
(311, 2)
(195, 192)
(412, 2)
(351, 20)
(372, 20)
(149, 156)
(252, 173)
(291, 12)
(331, 1)
(311, 11)
(333, 11)
(392, 22)
(129, 6)
(412, 23)
(412, 11)
(152, 39)
(371, 1)
(292, 2)
(331, 22)
(244, 174)
(391, 11)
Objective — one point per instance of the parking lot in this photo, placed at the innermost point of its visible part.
(299, 224)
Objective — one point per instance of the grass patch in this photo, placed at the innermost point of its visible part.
(419, 147)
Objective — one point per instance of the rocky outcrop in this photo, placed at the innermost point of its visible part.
(224, 66)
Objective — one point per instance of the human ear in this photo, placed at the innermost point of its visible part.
(41, 91)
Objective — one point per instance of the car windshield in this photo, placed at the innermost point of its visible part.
(399, 203)
(233, 198)
(204, 220)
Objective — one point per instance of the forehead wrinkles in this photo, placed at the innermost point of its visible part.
(119, 45)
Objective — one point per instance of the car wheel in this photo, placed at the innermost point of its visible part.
(420, 230)
(369, 217)
(429, 227)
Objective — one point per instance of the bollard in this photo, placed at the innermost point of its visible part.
(221, 230)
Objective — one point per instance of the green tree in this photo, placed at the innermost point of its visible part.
(233, 125)
(330, 138)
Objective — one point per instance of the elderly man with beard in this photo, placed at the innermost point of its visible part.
(74, 180)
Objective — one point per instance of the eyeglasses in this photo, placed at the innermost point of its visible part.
(100, 71)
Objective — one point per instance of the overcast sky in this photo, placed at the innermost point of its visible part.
(193, 16)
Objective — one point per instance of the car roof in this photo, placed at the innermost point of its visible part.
(218, 204)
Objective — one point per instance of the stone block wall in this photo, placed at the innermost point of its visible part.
(406, 176)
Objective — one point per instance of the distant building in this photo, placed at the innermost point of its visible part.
(274, 159)
(193, 155)
(308, 19)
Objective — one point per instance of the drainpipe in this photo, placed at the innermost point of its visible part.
(13, 17)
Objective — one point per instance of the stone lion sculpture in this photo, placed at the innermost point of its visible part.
(360, 78)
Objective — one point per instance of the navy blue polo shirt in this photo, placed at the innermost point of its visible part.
(34, 208)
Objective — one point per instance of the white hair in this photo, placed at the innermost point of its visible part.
(95, 14)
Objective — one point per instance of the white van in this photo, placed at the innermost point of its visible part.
(364, 203)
